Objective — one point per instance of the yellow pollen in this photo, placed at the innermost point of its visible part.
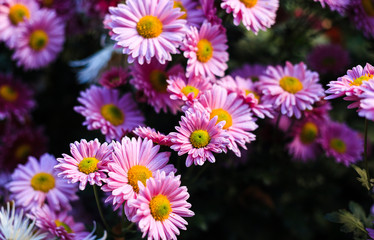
(8, 93)
(199, 138)
(190, 89)
(17, 13)
(47, 3)
(22, 151)
(138, 173)
(223, 115)
(42, 182)
(308, 133)
(249, 3)
(290, 84)
(204, 50)
(149, 27)
(338, 145)
(66, 227)
(38, 40)
(368, 6)
(88, 165)
(112, 114)
(160, 207)
(158, 80)
(178, 4)
(247, 92)
(358, 81)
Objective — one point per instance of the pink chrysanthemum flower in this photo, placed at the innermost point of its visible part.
(292, 89)
(362, 14)
(199, 136)
(320, 111)
(342, 143)
(349, 85)
(330, 58)
(36, 183)
(205, 50)
(246, 89)
(256, 15)
(191, 12)
(152, 134)
(40, 40)
(16, 99)
(161, 206)
(152, 80)
(210, 12)
(305, 145)
(12, 14)
(134, 160)
(249, 71)
(88, 163)
(236, 114)
(147, 29)
(335, 5)
(187, 90)
(114, 77)
(367, 100)
(106, 110)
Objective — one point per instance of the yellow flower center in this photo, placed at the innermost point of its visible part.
(17, 13)
(38, 40)
(368, 6)
(204, 50)
(190, 89)
(308, 133)
(47, 3)
(43, 182)
(88, 165)
(160, 207)
(338, 145)
(178, 4)
(358, 81)
(247, 92)
(112, 114)
(8, 93)
(22, 151)
(66, 227)
(290, 84)
(138, 173)
(223, 115)
(158, 80)
(199, 138)
(149, 27)
(249, 3)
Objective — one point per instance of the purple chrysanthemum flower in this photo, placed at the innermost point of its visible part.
(249, 71)
(63, 8)
(210, 12)
(362, 14)
(114, 77)
(192, 13)
(335, 5)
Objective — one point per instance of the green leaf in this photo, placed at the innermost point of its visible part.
(363, 177)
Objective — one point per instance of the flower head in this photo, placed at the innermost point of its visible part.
(335, 5)
(192, 13)
(367, 100)
(114, 77)
(362, 14)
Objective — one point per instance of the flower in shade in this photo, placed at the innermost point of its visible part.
(205, 50)
(12, 15)
(152, 134)
(305, 144)
(249, 71)
(236, 114)
(114, 77)
(63, 8)
(256, 15)
(330, 58)
(367, 100)
(210, 12)
(134, 160)
(106, 110)
(15, 98)
(199, 136)
(16, 226)
(152, 80)
(335, 5)
(362, 14)
(320, 111)
(291, 89)
(36, 183)
(187, 90)
(40, 40)
(88, 163)
(247, 90)
(147, 29)
(161, 207)
(191, 12)
(342, 143)
(370, 232)
(349, 84)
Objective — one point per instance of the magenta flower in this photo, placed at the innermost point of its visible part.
(291, 89)
(147, 29)
(106, 110)
(210, 12)
(152, 134)
(335, 5)
(362, 14)
(64, 8)
(36, 183)
(161, 206)
(114, 77)
(88, 163)
(205, 50)
(366, 108)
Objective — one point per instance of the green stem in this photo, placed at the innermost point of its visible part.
(365, 151)
(100, 210)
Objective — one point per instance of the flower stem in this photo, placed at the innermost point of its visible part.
(365, 152)
(100, 210)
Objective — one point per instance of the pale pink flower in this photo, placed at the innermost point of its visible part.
(152, 134)
(367, 100)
